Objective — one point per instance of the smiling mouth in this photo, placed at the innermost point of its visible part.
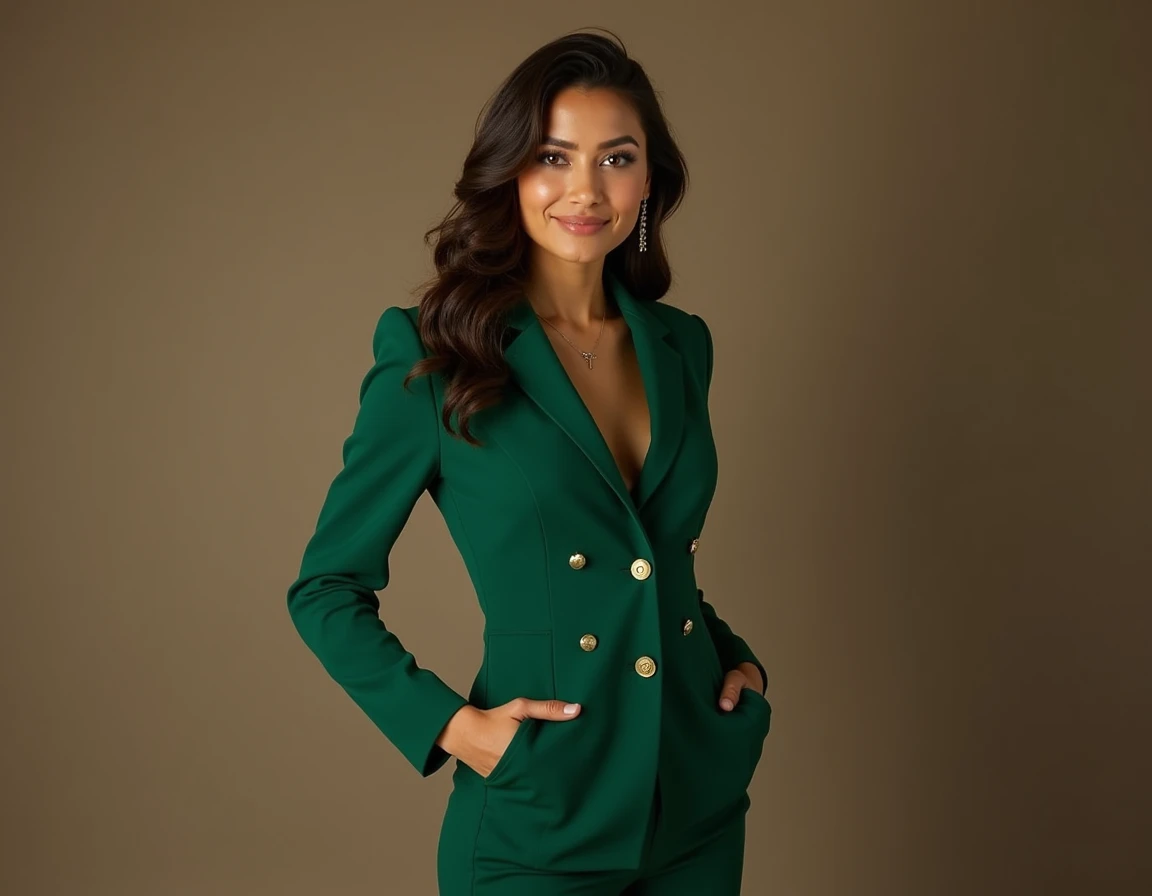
(582, 227)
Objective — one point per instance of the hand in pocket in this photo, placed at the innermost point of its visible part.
(487, 739)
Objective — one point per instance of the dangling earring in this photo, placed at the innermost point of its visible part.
(643, 225)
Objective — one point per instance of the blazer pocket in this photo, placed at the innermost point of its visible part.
(761, 707)
(518, 664)
(757, 698)
(509, 754)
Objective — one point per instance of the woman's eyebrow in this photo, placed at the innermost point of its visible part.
(567, 144)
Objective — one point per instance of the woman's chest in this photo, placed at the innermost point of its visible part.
(611, 387)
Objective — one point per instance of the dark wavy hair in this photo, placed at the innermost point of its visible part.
(480, 247)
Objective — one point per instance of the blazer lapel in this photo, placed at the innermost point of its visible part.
(542, 376)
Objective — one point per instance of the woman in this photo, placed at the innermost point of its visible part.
(607, 741)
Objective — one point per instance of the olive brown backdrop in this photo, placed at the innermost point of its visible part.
(920, 235)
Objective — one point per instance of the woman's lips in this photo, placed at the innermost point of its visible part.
(582, 227)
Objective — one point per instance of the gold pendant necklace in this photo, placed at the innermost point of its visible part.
(588, 356)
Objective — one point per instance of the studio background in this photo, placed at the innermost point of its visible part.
(919, 233)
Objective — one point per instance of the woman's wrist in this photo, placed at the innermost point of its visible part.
(455, 732)
(752, 673)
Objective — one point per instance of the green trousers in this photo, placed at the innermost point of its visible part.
(711, 863)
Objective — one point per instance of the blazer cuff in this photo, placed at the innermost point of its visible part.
(414, 733)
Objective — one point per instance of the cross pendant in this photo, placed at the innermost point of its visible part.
(588, 356)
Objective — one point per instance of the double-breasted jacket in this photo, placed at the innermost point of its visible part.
(588, 592)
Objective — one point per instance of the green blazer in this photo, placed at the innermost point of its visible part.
(588, 592)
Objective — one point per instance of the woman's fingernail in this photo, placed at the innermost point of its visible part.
(726, 703)
(570, 708)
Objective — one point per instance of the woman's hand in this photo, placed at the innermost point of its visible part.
(745, 675)
(479, 737)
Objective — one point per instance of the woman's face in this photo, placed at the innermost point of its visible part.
(576, 173)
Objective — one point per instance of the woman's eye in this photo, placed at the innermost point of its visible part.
(626, 156)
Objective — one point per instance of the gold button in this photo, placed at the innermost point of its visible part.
(641, 569)
(687, 626)
(695, 544)
(588, 642)
(577, 561)
(646, 666)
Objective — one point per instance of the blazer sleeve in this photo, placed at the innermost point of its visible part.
(391, 456)
(731, 647)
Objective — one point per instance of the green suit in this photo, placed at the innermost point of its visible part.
(589, 595)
